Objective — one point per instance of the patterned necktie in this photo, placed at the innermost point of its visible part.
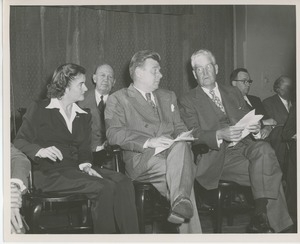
(217, 101)
(152, 104)
(101, 107)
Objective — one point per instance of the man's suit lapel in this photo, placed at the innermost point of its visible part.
(205, 106)
(140, 104)
(163, 104)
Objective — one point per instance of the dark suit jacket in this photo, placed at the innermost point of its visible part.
(276, 109)
(258, 106)
(130, 122)
(90, 102)
(43, 127)
(20, 165)
(198, 113)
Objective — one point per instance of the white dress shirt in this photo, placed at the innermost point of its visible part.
(287, 104)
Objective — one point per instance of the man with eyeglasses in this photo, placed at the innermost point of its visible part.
(212, 110)
(240, 78)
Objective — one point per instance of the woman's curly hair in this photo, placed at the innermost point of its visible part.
(62, 78)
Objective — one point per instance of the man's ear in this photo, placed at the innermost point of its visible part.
(233, 83)
(114, 82)
(138, 71)
(194, 73)
(94, 77)
(217, 69)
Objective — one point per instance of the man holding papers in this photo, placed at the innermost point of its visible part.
(143, 118)
(213, 111)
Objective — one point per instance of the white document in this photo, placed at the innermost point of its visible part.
(249, 119)
(184, 136)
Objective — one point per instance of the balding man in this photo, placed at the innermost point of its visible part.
(95, 100)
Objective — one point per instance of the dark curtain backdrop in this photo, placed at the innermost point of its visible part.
(42, 38)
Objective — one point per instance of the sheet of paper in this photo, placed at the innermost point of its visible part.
(185, 136)
(249, 119)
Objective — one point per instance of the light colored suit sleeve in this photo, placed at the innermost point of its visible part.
(20, 165)
(117, 132)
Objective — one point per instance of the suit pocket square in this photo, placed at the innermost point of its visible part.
(172, 107)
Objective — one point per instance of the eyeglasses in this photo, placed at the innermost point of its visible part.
(246, 81)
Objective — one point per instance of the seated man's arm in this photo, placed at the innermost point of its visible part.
(117, 130)
(20, 170)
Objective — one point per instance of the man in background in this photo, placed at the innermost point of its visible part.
(240, 78)
(95, 100)
(278, 107)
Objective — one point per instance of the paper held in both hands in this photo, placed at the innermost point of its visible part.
(249, 119)
(185, 136)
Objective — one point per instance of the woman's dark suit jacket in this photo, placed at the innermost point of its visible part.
(42, 128)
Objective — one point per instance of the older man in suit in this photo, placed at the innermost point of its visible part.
(95, 100)
(278, 107)
(241, 79)
(212, 110)
(140, 119)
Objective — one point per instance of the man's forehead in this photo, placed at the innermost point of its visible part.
(202, 59)
(104, 68)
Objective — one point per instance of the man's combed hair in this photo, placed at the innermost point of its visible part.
(234, 74)
(139, 59)
(62, 78)
(204, 52)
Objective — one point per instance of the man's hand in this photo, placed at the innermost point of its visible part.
(16, 204)
(161, 141)
(269, 122)
(231, 133)
(91, 172)
(50, 152)
(265, 132)
(254, 128)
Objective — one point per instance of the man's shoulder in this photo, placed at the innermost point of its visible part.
(162, 91)
(270, 99)
(189, 94)
(253, 98)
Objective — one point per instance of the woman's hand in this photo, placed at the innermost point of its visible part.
(50, 152)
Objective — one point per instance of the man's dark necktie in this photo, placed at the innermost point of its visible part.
(152, 104)
(101, 107)
(217, 101)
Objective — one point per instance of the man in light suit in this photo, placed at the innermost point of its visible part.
(20, 170)
(277, 107)
(241, 79)
(140, 119)
(212, 110)
(95, 100)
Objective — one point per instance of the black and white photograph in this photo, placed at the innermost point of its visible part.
(150, 121)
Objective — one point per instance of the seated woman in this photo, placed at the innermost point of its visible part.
(56, 134)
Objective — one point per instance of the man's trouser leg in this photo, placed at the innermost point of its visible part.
(172, 174)
(255, 164)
